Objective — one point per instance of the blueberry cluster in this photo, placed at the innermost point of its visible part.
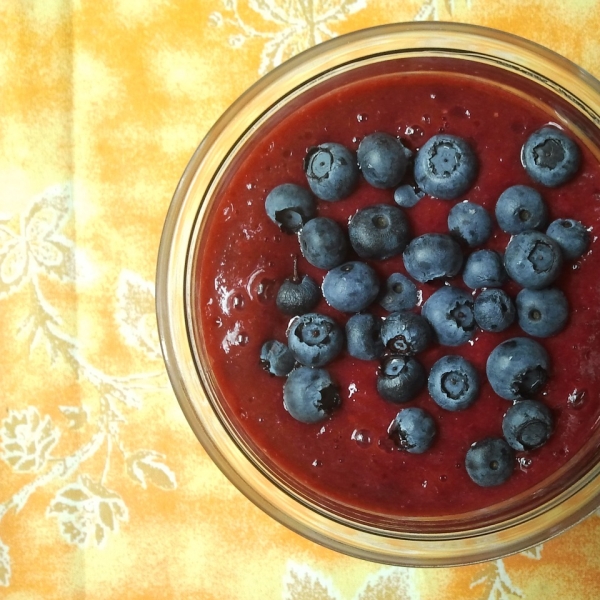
(517, 369)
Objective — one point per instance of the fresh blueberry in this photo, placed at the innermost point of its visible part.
(533, 259)
(406, 333)
(527, 425)
(363, 336)
(310, 395)
(413, 430)
(470, 223)
(276, 358)
(298, 296)
(453, 383)
(542, 313)
(520, 208)
(323, 243)
(518, 368)
(432, 256)
(315, 339)
(449, 311)
(484, 269)
(399, 293)
(351, 287)
(382, 159)
(290, 207)
(550, 157)
(407, 196)
(331, 171)
(572, 237)
(445, 167)
(379, 231)
(494, 310)
(490, 462)
(400, 379)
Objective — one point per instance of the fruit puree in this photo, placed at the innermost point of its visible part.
(349, 458)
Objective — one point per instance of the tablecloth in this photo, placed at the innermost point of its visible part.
(104, 490)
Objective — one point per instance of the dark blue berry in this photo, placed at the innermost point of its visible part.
(290, 207)
(432, 256)
(310, 395)
(323, 243)
(363, 336)
(382, 159)
(400, 379)
(298, 296)
(484, 269)
(406, 333)
(379, 231)
(490, 462)
(276, 358)
(407, 196)
(533, 259)
(331, 171)
(542, 313)
(351, 287)
(470, 223)
(399, 293)
(413, 430)
(527, 425)
(445, 167)
(518, 368)
(453, 383)
(550, 157)
(449, 311)
(520, 208)
(494, 310)
(572, 237)
(315, 339)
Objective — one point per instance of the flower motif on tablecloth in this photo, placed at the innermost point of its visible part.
(87, 511)
(27, 439)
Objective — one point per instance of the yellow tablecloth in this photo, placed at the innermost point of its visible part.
(104, 490)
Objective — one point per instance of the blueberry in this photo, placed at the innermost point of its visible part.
(470, 223)
(432, 256)
(290, 207)
(527, 425)
(533, 259)
(315, 339)
(449, 311)
(399, 293)
(484, 269)
(413, 430)
(323, 243)
(517, 368)
(542, 313)
(453, 383)
(310, 395)
(520, 208)
(406, 333)
(445, 167)
(572, 237)
(351, 287)
(331, 171)
(407, 196)
(297, 296)
(494, 310)
(276, 358)
(382, 159)
(490, 462)
(363, 336)
(400, 379)
(379, 231)
(550, 157)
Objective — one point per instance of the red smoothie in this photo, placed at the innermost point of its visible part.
(349, 458)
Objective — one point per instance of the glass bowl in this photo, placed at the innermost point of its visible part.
(520, 67)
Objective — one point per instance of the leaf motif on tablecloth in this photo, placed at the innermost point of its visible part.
(4, 565)
(434, 10)
(77, 415)
(87, 512)
(534, 553)
(147, 466)
(136, 313)
(303, 583)
(27, 439)
(495, 582)
(390, 583)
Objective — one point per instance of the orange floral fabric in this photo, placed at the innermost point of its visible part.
(104, 490)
